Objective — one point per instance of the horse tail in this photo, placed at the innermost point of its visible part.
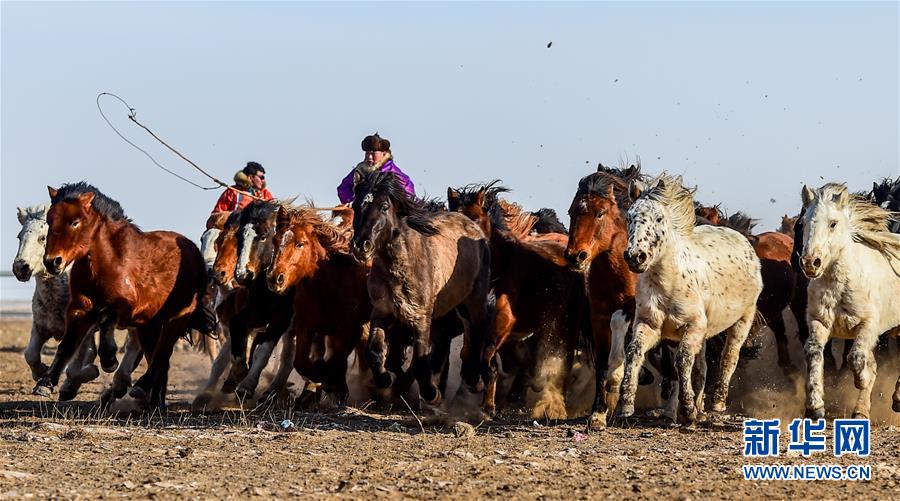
(203, 319)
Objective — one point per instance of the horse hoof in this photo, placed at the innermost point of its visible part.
(625, 411)
(860, 415)
(42, 389)
(597, 422)
(244, 394)
(138, 393)
(91, 373)
(201, 402)
(384, 380)
(67, 394)
(818, 413)
(109, 366)
(896, 406)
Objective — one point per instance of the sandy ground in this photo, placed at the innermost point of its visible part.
(72, 451)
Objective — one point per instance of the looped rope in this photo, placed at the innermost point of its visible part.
(132, 113)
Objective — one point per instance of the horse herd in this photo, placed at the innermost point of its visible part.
(644, 277)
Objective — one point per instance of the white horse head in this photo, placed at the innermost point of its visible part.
(208, 246)
(32, 242)
(657, 213)
(826, 227)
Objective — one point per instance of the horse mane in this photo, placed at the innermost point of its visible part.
(434, 205)
(548, 222)
(518, 221)
(678, 200)
(598, 183)
(868, 222)
(741, 223)
(410, 208)
(101, 203)
(492, 191)
(332, 237)
(34, 212)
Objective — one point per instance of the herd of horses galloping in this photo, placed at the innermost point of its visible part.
(644, 280)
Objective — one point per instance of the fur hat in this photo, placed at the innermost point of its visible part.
(241, 180)
(376, 143)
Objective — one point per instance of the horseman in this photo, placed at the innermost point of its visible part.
(377, 158)
(251, 179)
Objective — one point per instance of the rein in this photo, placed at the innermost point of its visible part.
(132, 113)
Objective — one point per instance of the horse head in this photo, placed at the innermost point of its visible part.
(72, 222)
(826, 226)
(657, 213)
(594, 220)
(254, 240)
(298, 250)
(32, 242)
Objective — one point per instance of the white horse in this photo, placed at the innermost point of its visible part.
(853, 263)
(48, 308)
(696, 281)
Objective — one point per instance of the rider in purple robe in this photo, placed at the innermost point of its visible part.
(378, 158)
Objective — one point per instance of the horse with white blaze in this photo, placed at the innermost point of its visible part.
(695, 282)
(853, 263)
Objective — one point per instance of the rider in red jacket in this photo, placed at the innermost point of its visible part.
(251, 179)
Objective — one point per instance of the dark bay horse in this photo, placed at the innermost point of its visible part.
(424, 267)
(312, 258)
(153, 282)
(536, 295)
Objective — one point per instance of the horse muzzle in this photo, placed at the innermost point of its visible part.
(637, 260)
(811, 266)
(21, 270)
(244, 277)
(362, 251)
(577, 261)
(276, 282)
(54, 265)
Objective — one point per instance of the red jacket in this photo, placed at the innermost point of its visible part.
(231, 200)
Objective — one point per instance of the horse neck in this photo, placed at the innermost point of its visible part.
(609, 271)
(107, 244)
(664, 270)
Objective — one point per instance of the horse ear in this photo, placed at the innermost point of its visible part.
(479, 198)
(630, 170)
(21, 213)
(53, 191)
(635, 188)
(842, 198)
(660, 184)
(600, 167)
(282, 213)
(452, 197)
(86, 199)
(874, 186)
(807, 195)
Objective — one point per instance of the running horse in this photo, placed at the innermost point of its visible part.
(424, 266)
(153, 282)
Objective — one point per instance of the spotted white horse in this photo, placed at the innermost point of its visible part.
(853, 263)
(695, 282)
(48, 307)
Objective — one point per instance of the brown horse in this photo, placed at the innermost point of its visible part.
(425, 266)
(153, 282)
(535, 295)
(597, 239)
(330, 297)
(787, 225)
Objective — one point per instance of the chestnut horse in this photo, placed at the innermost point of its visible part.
(424, 267)
(312, 258)
(598, 237)
(535, 294)
(153, 282)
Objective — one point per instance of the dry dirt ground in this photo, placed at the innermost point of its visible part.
(72, 451)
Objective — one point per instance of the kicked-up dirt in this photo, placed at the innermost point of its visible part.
(72, 450)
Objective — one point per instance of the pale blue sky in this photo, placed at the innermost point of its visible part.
(747, 100)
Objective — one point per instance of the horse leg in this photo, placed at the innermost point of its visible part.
(698, 380)
(814, 348)
(39, 337)
(735, 336)
(80, 370)
(776, 323)
(107, 347)
(441, 336)
(609, 367)
(77, 327)
(264, 346)
(669, 384)
(862, 362)
(377, 352)
(285, 364)
(421, 363)
(691, 345)
(122, 377)
(336, 366)
(238, 328)
(495, 339)
(151, 387)
(216, 371)
(644, 339)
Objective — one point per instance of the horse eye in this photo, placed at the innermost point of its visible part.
(659, 219)
(75, 223)
(599, 215)
(384, 207)
(832, 224)
(299, 244)
(42, 239)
